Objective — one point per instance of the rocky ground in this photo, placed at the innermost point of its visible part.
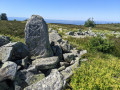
(44, 62)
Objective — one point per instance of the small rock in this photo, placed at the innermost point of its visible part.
(55, 37)
(54, 81)
(72, 62)
(68, 72)
(6, 53)
(17, 87)
(4, 40)
(83, 60)
(68, 57)
(61, 68)
(70, 33)
(75, 52)
(83, 52)
(32, 69)
(57, 51)
(34, 78)
(25, 62)
(46, 63)
(18, 68)
(64, 64)
(13, 51)
(66, 47)
(8, 71)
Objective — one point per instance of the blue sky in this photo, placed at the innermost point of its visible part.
(102, 10)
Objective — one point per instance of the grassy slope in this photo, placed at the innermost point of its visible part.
(13, 29)
(100, 72)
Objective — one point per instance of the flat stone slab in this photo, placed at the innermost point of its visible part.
(46, 63)
(52, 82)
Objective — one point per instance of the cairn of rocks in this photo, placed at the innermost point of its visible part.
(81, 34)
(44, 62)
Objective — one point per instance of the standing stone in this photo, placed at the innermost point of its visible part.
(36, 37)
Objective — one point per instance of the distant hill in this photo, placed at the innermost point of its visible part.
(76, 22)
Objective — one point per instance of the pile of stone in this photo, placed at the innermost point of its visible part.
(81, 34)
(44, 63)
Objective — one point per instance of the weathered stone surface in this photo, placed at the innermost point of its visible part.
(55, 37)
(25, 62)
(83, 60)
(78, 53)
(66, 47)
(64, 64)
(83, 52)
(61, 68)
(57, 51)
(32, 69)
(13, 51)
(36, 37)
(6, 53)
(4, 40)
(75, 52)
(34, 78)
(77, 33)
(8, 71)
(46, 63)
(57, 40)
(68, 72)
(68, 57)
(70, 33)
(17, 87)
(20, 78)
(52, 82)
(26, 76)
(72, 62)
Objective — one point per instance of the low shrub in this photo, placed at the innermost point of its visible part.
(89, 23)
(98, 73)
(100, 44)
(116, 50)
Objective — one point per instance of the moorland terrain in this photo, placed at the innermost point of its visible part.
(101, 69)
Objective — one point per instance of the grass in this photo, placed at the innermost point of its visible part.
(101, 72)
(79, 43)
(13, 28)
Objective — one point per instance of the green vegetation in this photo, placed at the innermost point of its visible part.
(3, 16)
(13, 29)
(101, 71)
(89, 23)
(100, 44)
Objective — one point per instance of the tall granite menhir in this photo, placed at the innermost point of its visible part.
(37, 38)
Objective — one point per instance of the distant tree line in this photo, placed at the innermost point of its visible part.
(3, 16)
